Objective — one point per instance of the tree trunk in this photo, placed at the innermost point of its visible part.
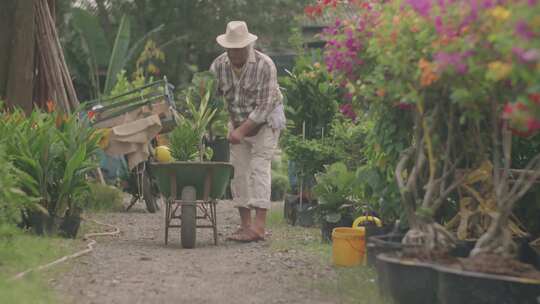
(7, 7)
(21, 64)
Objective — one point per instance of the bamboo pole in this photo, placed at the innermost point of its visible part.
(53, 67)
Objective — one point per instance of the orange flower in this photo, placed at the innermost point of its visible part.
(394, 36)
(428, 73)
(50, 106)
(381, 92)
(58, 121)
(396, 20)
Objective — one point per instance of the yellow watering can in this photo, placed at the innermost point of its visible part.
(349, 244)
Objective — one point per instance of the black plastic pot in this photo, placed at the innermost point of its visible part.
(289, 208)
(305, 215)
(70, 226)
(387, 243)
(296, 214)
(43, 224)
(277, 193)
(536, 249)
(327, 227)
(406, 281)
(221, 147)
(463, 287)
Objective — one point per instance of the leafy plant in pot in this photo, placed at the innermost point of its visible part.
(56, 151)
(13, 201)
(203, 86)
(311, 102)
(335, 194)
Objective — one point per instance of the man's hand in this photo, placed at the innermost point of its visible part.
(238, 134)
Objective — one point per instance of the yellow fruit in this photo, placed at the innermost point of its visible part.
(163, 154)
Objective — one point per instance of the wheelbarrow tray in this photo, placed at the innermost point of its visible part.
(193, 174)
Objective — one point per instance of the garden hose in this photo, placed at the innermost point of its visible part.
(89, 248)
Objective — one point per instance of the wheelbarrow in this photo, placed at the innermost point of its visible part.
(191, 190)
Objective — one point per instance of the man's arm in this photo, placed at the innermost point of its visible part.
(265, 100)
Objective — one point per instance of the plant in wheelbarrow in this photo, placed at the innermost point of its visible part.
(202, 93)
(187, 138)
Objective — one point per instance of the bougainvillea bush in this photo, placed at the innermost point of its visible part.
(465, 75)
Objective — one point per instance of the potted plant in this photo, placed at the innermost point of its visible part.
(335, 194)
(311, 102)
(55, 151)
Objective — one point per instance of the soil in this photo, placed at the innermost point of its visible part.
(439, 257)
(495, 264)
(484, 263)
(137, 267)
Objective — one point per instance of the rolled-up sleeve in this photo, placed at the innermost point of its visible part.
(267, 96)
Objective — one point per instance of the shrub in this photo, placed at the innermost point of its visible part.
(280, 185)
(104, 198)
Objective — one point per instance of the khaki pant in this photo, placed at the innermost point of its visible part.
(252, 160)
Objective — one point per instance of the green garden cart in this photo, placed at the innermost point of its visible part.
(192, 190)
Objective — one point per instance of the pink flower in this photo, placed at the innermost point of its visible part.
(533, 124)
(526, 56)
(404, 106)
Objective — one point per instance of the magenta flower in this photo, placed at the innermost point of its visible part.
(524, 30)
(439, 25)
(422, 7)
(348, 111)
(456, 60)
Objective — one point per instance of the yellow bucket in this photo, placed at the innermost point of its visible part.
(348, 246)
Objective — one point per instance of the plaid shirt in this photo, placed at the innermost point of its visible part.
(255, 94)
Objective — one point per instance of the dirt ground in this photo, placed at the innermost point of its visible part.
(137, 267)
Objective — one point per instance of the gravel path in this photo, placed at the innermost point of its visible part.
(137, 267)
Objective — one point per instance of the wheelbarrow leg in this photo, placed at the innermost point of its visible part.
(167, 220)
(214, 220)
(134, 199)
(169, 213)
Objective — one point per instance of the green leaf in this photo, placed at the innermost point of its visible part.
(91, 31)
(119, 53)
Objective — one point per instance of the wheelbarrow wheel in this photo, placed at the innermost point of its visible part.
(148, 195)
(188, 231)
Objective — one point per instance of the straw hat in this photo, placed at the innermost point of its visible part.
(236, 36)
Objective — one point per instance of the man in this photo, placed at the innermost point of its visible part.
(247, 79)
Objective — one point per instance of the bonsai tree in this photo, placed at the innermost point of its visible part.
(451, 67)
